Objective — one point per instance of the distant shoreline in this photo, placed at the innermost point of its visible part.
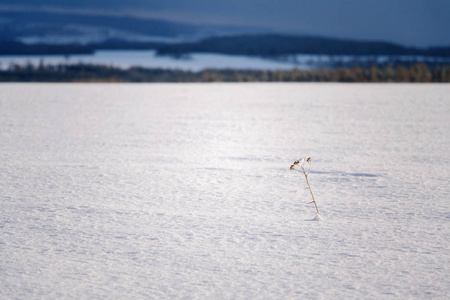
(416, 72)
(262, 45)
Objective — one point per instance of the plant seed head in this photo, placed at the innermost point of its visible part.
(299, 161)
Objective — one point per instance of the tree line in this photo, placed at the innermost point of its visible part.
(417, 72)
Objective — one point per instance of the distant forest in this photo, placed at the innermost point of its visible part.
(418, 72)
(269, 45)
(19, 48)
(272, 45)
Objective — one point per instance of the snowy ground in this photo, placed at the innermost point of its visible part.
(184, 191)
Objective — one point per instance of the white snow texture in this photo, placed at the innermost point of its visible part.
(183, 191)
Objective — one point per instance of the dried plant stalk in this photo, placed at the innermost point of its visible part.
(301, 162)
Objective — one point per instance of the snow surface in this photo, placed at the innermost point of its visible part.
(157, 191)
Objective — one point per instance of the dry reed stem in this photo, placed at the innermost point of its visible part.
(301, 163)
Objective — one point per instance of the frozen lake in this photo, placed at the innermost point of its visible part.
(156, 191)
(149, 59)
(201, 61)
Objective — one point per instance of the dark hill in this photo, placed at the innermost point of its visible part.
(279, 45)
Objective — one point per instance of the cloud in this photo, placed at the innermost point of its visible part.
(411, 22)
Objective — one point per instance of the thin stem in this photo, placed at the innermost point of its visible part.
(309, 187)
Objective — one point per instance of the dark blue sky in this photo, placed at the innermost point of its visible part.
(409, 22)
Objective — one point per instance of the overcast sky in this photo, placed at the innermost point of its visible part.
(409, 22)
